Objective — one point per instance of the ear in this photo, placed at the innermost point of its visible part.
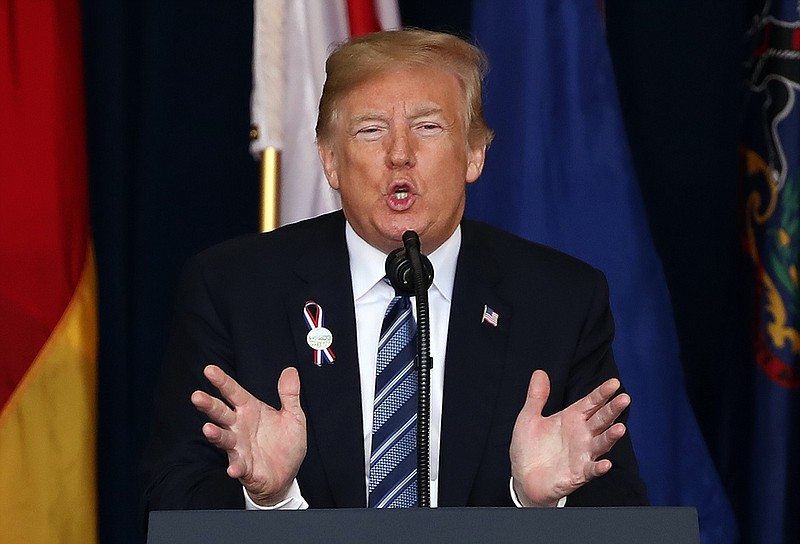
(475, 159)
(328, 159)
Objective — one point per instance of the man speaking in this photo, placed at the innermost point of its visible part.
(525, 406)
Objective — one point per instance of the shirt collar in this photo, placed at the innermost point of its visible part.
(368, 264)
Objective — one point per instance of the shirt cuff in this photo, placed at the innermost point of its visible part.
(292, 501)
(562, 502)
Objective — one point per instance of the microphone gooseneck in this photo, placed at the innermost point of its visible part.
(410, 272)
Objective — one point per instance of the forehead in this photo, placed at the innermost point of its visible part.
(410, 88)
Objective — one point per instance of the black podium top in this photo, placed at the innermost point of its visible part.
(653, 525)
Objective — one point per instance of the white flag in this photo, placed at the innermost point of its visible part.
(291, 40)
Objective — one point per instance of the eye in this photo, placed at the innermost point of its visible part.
(428, 127)
(370, 132)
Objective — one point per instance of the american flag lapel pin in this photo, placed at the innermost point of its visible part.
(489, 316)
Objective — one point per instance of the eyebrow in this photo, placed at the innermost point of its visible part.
(423, 112)
(416, 114)
(372, 116)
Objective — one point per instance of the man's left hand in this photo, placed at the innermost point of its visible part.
(553, 456)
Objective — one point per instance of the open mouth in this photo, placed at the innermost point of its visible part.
(401, 196)
(402, 193)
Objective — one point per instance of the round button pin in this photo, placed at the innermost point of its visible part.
(319, 338)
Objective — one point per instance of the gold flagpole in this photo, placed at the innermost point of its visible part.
(270, 189)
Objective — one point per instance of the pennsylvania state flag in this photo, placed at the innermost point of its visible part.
(770, 198)
(559, 172)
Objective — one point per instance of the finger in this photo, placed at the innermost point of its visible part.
(597, 469)
(236, 465)
(599, 396)
(289, 390)
(236, 470)
(228, 387)
(213, 408)
(538, 392)
(219, 437)
(201, 400)
(608, 414)
(603, 443)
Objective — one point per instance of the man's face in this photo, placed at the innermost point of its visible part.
(400, 159)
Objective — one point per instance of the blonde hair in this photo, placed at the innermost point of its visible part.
(359, 59)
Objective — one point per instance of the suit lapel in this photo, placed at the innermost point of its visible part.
(331, 393)
(473, 369)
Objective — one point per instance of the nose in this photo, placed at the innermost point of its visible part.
(400, 150)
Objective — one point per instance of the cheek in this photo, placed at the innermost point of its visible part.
(358, 201)
(361, 171)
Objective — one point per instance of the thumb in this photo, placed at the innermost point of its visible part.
(289, 390)
(538, 392)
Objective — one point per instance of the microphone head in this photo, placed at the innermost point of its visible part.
(399, 272)
(399, 269)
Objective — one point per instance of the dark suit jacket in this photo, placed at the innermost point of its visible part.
(240, 306)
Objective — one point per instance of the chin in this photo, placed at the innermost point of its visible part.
(395, 230)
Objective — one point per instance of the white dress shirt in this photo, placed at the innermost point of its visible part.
(372, 296)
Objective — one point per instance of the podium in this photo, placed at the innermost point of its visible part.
(651, 525)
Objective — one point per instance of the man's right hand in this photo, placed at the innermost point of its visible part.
(265, 446)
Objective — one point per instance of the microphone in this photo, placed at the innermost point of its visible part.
(411, 273)
(400, 271)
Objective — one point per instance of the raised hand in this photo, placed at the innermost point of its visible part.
(553, 456)
(265, 446)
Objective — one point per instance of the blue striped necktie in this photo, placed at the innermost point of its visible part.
(393, 463)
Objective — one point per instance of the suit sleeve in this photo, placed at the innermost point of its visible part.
(181, 470)
(593, 364)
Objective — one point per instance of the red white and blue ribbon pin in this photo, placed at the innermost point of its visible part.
(318, 338)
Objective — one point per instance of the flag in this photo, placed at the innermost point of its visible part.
(559, 172)
(771, 239)
(490, 316)
(291, 41)
(47, 283)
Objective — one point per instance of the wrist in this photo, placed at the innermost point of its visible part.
(293, 501)
(268, 500)
(521, 499)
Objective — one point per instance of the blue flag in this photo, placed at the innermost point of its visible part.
(559, 172)
(771, 239)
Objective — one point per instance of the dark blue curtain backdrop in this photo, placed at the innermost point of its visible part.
(559, 172)
(168, 88)
(168, 102)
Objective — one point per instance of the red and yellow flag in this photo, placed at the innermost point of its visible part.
(48, 323)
